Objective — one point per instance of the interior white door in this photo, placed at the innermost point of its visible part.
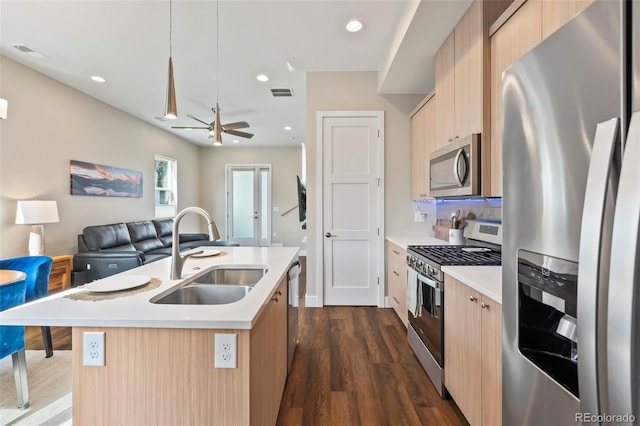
(249, 204)
(351, 214)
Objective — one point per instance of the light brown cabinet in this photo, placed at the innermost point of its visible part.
(268, 359)
(556, 13)
(521, 33)
(473, 353)
(422, 144)
(463, 81)
(530, 23)
(397, 280)
(445, 63)
(167, 376)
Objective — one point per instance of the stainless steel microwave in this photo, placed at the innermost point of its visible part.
(455, 169)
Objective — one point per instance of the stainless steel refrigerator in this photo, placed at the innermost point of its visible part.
(571, 215)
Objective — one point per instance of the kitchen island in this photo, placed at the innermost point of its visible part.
(159, 358)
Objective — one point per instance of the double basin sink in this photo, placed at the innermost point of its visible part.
(218, 286)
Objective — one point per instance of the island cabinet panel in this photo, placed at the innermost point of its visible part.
(473, 353)
(156, 376)
(160, 377)
(269, 359)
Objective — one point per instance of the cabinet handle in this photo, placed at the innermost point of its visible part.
(473, 298)
(397, 274)
(275, 299)
(457, 137)
(397, 301)
(279, 293)
(484, 306)
(450, 140)
(396, 252)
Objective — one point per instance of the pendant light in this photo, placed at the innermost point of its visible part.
(170, 109)
(218, 141)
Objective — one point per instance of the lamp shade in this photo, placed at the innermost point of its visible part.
(37, 212)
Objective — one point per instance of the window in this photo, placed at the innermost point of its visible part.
(166, 187)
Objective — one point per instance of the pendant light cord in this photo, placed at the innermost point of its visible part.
(170, 27)
(217, 53)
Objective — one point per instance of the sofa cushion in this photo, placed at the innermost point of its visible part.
(143, 235)
(164, 230)
(113, 236)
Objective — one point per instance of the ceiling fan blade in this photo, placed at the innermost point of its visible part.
(197, 119)
(187, 127)
(238, 133)
(236, 125)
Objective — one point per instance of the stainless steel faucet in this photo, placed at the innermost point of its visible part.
(177, 259)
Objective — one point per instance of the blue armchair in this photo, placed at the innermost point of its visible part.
(12, 340)
(37, 269)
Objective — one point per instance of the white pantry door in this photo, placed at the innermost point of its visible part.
(352, 214)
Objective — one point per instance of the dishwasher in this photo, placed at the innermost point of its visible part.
(292, 311)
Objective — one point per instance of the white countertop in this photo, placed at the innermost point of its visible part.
(137, 311)
(485, 279)
(417, 240)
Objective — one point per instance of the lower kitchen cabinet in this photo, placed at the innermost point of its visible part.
(473, 352)
(167, 376)
(397, 280)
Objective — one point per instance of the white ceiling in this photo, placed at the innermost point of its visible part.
(127, 42)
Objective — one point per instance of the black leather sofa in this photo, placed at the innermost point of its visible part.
(105, 250)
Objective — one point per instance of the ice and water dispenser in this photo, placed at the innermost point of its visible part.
(547, 316)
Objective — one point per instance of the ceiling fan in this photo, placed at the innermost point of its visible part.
(229, 128)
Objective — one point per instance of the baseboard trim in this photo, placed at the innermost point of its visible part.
(311, 302)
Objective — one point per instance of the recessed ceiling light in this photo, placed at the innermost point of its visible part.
(236, 141)
(262, 78)
(98, 79)
(287, 127)
(354, 26)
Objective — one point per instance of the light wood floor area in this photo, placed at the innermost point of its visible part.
(352, 366)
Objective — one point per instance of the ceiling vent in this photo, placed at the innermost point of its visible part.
(29, 51)
(282, 93)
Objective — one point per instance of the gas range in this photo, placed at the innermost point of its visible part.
(483, 249)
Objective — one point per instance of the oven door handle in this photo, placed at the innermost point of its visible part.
(429, 282)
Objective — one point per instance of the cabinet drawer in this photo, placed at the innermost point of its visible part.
(397, 280)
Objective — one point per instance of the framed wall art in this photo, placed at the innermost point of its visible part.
(104, 181)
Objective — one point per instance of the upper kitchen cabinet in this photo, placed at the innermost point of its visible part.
(463, 66)
(445, 61)
(556, 13)
(423, 142)
(521, 33)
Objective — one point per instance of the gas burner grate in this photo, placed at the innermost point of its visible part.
(455, 255)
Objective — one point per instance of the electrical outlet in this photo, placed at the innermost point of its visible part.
(93, 348)
(225, 350)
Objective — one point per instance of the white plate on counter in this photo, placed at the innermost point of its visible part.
(207, 253)
(117, 283)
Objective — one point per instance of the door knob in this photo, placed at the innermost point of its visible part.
(329, 235)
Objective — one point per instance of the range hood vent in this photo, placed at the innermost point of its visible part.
(282, 93)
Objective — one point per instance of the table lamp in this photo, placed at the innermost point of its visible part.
(36, 212)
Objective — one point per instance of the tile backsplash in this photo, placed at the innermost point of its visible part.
(482, 208)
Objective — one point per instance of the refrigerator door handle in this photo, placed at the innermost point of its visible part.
(623, 344)
(593, 263)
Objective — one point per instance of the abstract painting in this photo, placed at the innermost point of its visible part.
(104, 181)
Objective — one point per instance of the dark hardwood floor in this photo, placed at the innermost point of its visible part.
(353, 366)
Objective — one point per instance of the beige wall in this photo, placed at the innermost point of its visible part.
(285, 165)
(343, 91)
(49, 124)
